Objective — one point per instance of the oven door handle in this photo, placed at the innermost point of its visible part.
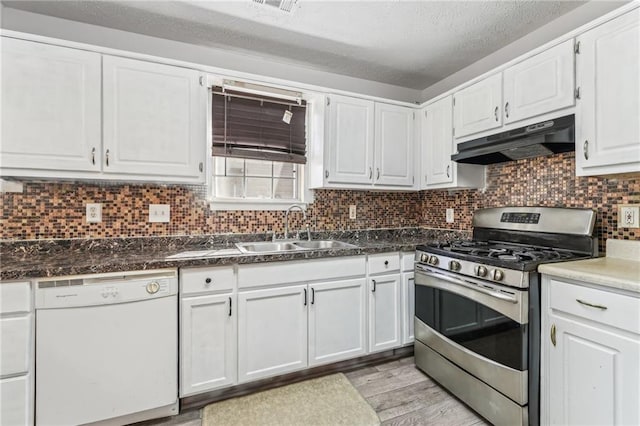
(463, 283)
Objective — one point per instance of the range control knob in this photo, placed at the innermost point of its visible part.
(424, 258)
(480, 271)
(153, 287)
(454, 265)
(497, 275)
(433, 260)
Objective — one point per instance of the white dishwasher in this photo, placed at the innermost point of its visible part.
(107, 348)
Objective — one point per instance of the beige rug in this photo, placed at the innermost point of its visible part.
(329, 400)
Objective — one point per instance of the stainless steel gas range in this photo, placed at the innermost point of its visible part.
(477, 320)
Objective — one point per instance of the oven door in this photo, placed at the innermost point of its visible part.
(481, 327)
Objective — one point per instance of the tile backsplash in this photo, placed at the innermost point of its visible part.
(56, 210)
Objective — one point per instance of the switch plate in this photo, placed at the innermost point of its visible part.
(449, 216)
(159, 213)
(629, 216)
(93, 212)
(352, 211)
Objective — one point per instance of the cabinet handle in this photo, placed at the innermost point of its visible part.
(230, 306)
(495, 113)
(370, 172)
(386, 263)
(107, 158)
(313, 295)
(553, 334)
(585, 149)
(506, 109)
(93, 156)
(448, 169)
(201, 167)
(373, 289)
(207, 281)
(591, 305)
(326, 174)
(305, 297)
(377, 173)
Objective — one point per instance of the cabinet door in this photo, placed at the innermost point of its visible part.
(540, 84)
(437, 142)
(272, 332)
(154, 120)
(408, 307)
(393, 145)
(384, 312)
(478, 107)
(608, 111)
(50, 107)
(207, 343)
(337, 321)
(350, 143)
(593, 375)
(16, 401)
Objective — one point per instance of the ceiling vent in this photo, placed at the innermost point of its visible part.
(283, 5)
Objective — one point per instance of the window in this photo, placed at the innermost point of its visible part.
(258, 149)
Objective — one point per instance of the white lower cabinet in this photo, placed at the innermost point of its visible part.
(408, 297)
(384, 301)
(16, 354)
(272, 331)
(590, 365)
(337, 321)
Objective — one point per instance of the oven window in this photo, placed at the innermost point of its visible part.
(474, 326)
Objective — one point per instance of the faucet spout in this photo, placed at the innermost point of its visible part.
(286, 218)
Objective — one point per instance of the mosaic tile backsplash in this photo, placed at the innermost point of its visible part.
(56, 210)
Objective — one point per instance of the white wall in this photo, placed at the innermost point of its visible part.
(18, 20)
(554, 29)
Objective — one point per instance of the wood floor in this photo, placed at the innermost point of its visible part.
(398, 392)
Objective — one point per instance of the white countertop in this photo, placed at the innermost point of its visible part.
(620, 269)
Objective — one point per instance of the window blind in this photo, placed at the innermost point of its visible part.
(256, 127)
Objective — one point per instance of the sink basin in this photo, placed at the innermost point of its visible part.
(267, 247)
(323, 244)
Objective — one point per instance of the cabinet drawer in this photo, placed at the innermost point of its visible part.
(200, 280)
(408, 260)
(384, 262)
(15, 341)
(15, 297)
(621, 311)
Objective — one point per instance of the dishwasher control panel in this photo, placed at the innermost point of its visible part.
(105, 289)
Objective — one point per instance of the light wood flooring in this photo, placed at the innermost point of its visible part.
(398, 392)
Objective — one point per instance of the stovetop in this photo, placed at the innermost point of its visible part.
(502, 254)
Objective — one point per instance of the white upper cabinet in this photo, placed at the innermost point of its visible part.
(154, 119)
(608, 111)
(540, 84)
(350, 140)
(50, 108)
(437, 142)
(394, 145)
(478, 107)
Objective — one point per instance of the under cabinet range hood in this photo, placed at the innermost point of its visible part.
(536, 140)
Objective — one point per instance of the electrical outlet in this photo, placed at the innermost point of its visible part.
(93, 212)
(629, 216)
(159, 213)
(352, 212)
(449, 215)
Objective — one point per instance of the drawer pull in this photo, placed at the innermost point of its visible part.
(553, 334)
(582, 302)
(373, 289)
(386, 263)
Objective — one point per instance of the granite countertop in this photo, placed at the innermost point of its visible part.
(50, 258)
(620, 269)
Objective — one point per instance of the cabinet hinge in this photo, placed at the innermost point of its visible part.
(413, 180)
(328, 101)
(414, 115)
(577, 92)
(576, 48)
(454, 101)
(201, 80)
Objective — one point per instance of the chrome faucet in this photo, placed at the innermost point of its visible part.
(286, 221)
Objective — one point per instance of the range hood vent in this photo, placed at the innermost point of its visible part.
(536, 140)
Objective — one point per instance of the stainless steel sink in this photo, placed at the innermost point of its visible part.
(268, 247)
(323, 244)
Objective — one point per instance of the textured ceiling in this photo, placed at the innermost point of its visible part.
(412, 44)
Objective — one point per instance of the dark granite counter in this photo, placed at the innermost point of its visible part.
(49, 258)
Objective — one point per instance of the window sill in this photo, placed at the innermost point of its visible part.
(266, 205)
